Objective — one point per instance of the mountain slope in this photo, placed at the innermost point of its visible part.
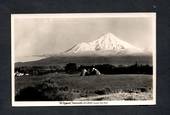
(107, 44)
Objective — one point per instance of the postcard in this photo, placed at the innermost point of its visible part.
(83, 59)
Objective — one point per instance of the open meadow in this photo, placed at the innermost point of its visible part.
(62, 86)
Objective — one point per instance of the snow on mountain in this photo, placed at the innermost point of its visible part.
(107, 44)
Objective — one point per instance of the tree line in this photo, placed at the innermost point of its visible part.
(111, 69)
(72, 68)
(38, 70)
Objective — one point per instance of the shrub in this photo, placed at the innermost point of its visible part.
(103, 91)
(47, 90)
(30, 94)
(143, 89)
(100, 91)
(63, 96)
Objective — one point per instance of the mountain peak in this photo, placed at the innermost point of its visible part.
(108, 36)
(106, 42)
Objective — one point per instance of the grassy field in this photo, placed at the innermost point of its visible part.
(61, 86)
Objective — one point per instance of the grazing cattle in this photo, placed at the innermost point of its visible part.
(27, 74)
(84, 72)
(19, 74)
(95, 71)
(92, 71)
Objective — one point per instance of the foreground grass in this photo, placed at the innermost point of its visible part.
(118, 96)
(70, 87)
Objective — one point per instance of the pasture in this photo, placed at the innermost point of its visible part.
(68, 87)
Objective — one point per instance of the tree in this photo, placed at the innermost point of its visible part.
(71, 68)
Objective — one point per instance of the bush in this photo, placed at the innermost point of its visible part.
(30, 94)
(100, 91)
(64, 96)
(143, 89)
(48, 90)
(103, 91)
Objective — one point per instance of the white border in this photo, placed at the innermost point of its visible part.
(83, 103)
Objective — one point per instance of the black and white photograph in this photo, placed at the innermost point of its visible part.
(83, 59)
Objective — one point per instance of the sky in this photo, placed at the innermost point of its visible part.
(37, 36)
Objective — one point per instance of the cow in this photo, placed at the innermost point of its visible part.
(95, 71)
(92, 71)
(18, 74)
(84, 72)
(27, 74)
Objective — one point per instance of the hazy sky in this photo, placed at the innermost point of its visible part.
(34, 36)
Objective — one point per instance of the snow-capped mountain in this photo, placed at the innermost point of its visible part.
(107, 44)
